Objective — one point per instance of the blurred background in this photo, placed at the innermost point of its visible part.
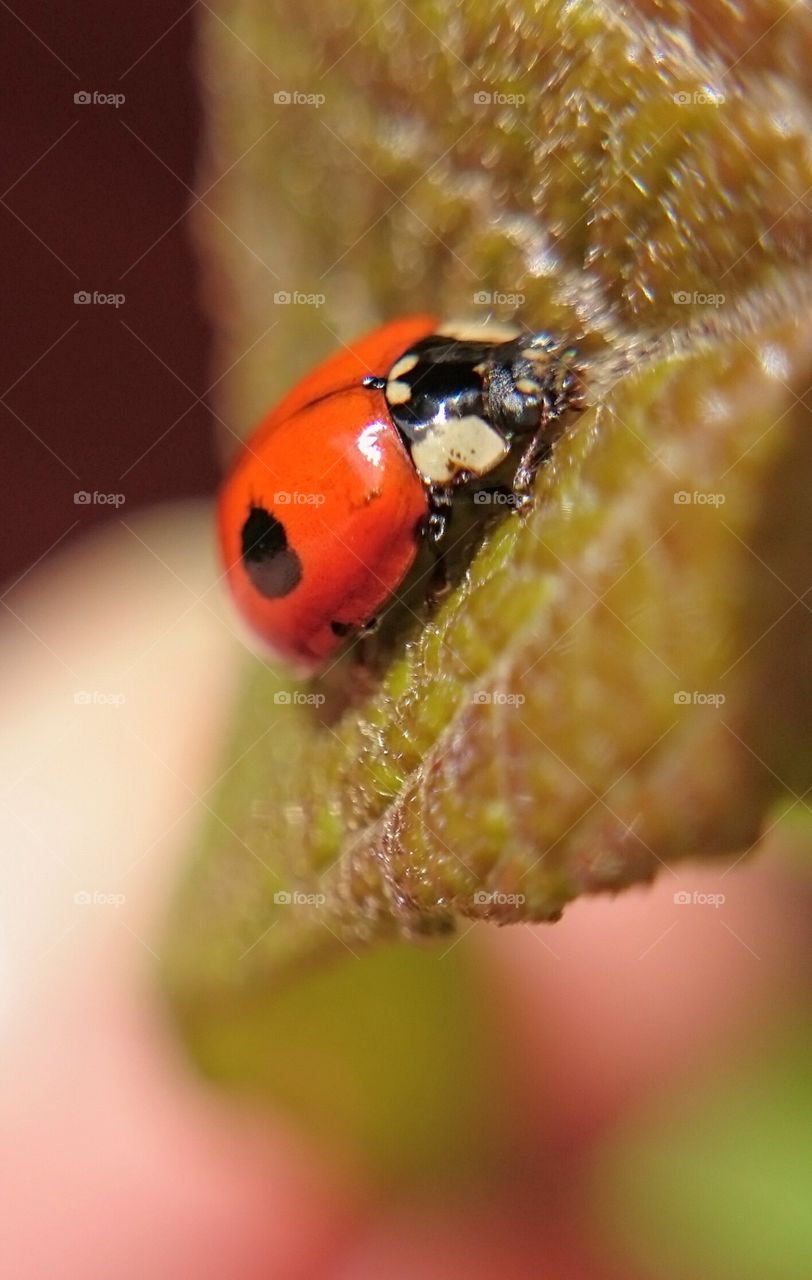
(94, 201)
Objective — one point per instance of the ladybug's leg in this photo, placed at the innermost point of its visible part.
(436, 527)
(364, 654)
(563, 394)
(529, 463)
(440, 498)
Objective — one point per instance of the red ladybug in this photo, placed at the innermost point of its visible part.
(324, 511)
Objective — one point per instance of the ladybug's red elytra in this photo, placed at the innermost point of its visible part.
(323, 513)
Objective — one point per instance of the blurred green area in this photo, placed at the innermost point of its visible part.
(393, 1060)
(714, 1179)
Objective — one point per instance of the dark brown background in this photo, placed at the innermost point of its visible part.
(89, 407)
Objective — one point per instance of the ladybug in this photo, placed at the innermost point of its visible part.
(322, 515)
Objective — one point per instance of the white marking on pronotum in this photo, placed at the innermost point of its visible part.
(458, 444)
(398, 392)
(404, 365)
(468, 332)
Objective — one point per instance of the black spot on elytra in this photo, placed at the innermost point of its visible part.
(273, 566)
(341, 628)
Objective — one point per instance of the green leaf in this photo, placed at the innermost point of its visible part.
(621, 679)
